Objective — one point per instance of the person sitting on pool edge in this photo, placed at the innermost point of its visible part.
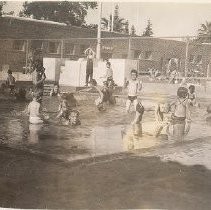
(34, 110)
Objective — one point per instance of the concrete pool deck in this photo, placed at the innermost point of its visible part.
(140, 181)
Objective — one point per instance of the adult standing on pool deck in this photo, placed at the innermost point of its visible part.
(89, 65)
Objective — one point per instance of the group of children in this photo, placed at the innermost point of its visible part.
(179, 109)
(66, 113)
(175, 116)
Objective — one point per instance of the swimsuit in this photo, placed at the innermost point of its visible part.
(177, 120)
(35, 120)
(132, 98)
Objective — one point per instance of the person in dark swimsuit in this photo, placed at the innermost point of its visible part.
(89, 65)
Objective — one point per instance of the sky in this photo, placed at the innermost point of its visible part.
(167, 18)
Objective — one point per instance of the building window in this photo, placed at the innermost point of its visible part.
(18, 45)
(83, 48)
(37, 44)
(69, 49)
(191, 58)
(199, 59)
(148, 55)
(137, 54)
(54, 47)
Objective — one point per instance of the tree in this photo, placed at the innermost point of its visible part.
(132, 31)
(148, 29)
(2, 3)
(127, 27)
(118, 23)
(73, 13)
(204, 33)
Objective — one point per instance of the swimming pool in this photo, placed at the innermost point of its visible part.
(100, 133)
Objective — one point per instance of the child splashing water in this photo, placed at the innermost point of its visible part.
(161, 120)
(134, 85)
(66, 114)
(180, 119)
(105, 96)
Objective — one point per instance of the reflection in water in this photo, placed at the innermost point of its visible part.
(34, 131)
(107, 140)
(176, 132)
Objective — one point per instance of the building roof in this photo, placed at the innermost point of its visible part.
(9, 20)
(33, 20)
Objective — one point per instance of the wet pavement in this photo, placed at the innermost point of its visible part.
(158, 174)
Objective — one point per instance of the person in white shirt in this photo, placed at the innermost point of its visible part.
(134, 85)
(109, 72)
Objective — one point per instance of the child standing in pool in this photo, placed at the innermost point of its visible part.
(192, 96)
(180, 119)
(134, 85)
(34, 110)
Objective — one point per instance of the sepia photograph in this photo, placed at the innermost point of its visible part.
(105, 104)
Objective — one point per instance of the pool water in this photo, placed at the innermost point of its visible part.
(100, 133)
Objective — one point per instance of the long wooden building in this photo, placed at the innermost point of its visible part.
(21, 36)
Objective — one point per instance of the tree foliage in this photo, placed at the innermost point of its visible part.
(204, 33)
(148, 30)
(119, 24)
(2, 3)
(73, 13)
(132, 31)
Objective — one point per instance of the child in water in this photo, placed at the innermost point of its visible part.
(134, 85)
(105, 97)
(180, 119)
(192, 96)
(66, 114)
(55, 90)
(34, 110)
(160, 119)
